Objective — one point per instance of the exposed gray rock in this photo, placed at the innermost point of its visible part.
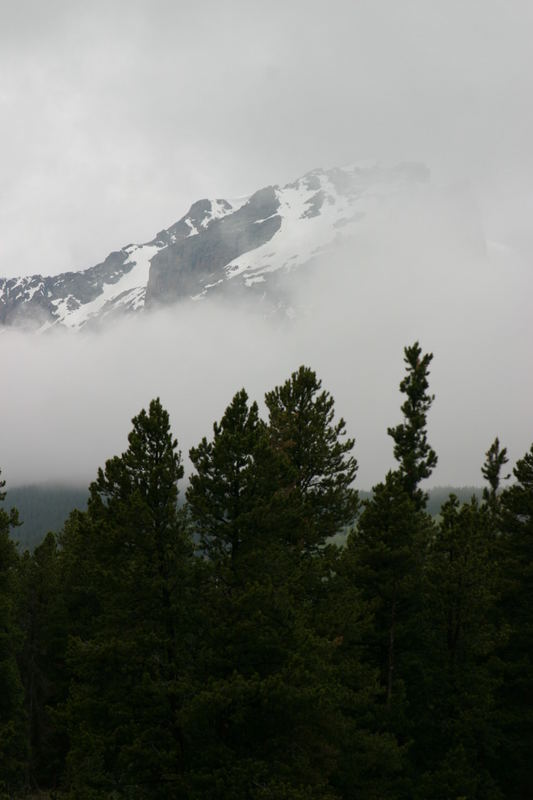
(183, 269)
(227, 249)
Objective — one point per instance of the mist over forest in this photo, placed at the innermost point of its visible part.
(274, 466)
(414, 272)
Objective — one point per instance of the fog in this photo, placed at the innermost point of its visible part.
(414, 271)
(116, 117)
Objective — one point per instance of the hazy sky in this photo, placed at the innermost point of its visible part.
(426, 275)
(116, 116)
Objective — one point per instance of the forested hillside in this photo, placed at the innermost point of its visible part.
(43, 508)
(224, 649)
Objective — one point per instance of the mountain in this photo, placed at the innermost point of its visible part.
(248, 246)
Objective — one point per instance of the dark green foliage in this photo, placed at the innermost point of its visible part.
(262, 718)
(318, 468)
(458, 735)
(42, 660)
(411, 449)
(371, 763)
(516, 695)
(225, 491)
(385, 559)
(495, 460)
(124, 703)
(386, 553)
(12, 720)
(264, 662)
(388, 548)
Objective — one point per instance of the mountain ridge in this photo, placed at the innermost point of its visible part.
(218, 246)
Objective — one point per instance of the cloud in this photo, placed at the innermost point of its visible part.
(419, 270)
(114, 121)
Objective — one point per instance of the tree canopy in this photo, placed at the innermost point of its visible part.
(227, 648)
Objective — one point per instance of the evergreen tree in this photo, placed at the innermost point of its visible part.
(387, 552)
(12, 722)
(385, 557)
(371, 763)
(225, 490)
(516, 606)
(264, 674)
(319, 469)
(273, 665)
(457, 732)
(43, 661)
(495, 460)
(124, 706)
(390, 541)
(411, 449)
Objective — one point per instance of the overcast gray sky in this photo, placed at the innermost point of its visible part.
(116, 116)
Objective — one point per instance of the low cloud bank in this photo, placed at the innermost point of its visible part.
(420, 272)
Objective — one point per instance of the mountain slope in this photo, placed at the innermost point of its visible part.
(218, 246)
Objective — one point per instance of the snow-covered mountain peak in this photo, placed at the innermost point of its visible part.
(219, 245)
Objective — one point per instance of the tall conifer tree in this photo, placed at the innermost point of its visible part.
(495, 460)
(415, 457)
(319, 466)
(43, 660)
(125, 701)
(260, 503)
(225, 490)
(516, 695)
(386, 555)
(456, 734)
(13, 748)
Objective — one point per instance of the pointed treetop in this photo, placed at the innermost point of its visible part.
(495, 460)
(411, 449)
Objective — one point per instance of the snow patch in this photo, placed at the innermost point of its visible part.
(193, 229)
(134, 282)
(301, 236)
(33, 289)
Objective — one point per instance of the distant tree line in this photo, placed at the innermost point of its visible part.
(43, 508)
(225, 649)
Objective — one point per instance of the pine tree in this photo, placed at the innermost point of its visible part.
(411, 449)
(457, 735)
(390, 541)
(387, 551)
(516, 693)
(225, 490)
(385, 557)
(371, 763)
(319, 469)
(43, 661)
(124, 706)
(263, 673)
(495, 460)
(13, 751)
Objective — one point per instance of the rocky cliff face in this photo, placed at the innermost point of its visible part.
(248, 246)
(191, 266)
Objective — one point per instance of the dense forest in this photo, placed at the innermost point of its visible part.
(225, 648)
(43, 508)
